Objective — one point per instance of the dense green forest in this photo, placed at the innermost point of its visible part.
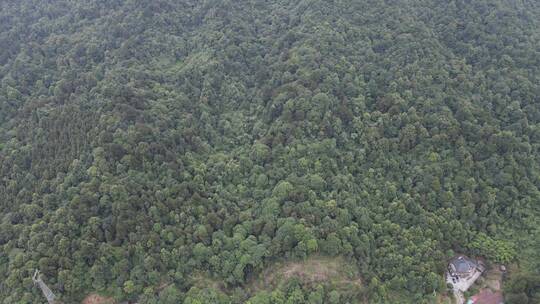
(149, 149)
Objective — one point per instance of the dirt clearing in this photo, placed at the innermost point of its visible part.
(323, 270)
(97, 299)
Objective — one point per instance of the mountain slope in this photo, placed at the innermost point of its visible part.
(145, 144)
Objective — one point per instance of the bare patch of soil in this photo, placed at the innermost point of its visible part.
(494, 278)
(312, 270)
(97, 299)
(202, 281)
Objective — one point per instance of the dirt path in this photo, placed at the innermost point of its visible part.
(458, 295)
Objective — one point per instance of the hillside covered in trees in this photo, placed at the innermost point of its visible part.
(149, 149)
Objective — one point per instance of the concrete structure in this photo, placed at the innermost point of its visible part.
(464, 267)
(462, 273)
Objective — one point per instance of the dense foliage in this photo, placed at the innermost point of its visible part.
(145, 145)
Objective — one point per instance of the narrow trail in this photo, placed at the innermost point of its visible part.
(458, 295)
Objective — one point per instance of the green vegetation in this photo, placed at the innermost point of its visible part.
(147, 147)
(523, 288)
(498, 251)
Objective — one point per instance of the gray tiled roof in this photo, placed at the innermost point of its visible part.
(463, 264)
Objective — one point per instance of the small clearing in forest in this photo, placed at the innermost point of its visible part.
(97, 299)
(324, 270)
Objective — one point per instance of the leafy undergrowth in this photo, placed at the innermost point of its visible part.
(202, 281)
(311, 272)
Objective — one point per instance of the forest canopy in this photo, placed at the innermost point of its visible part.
(150, 150)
